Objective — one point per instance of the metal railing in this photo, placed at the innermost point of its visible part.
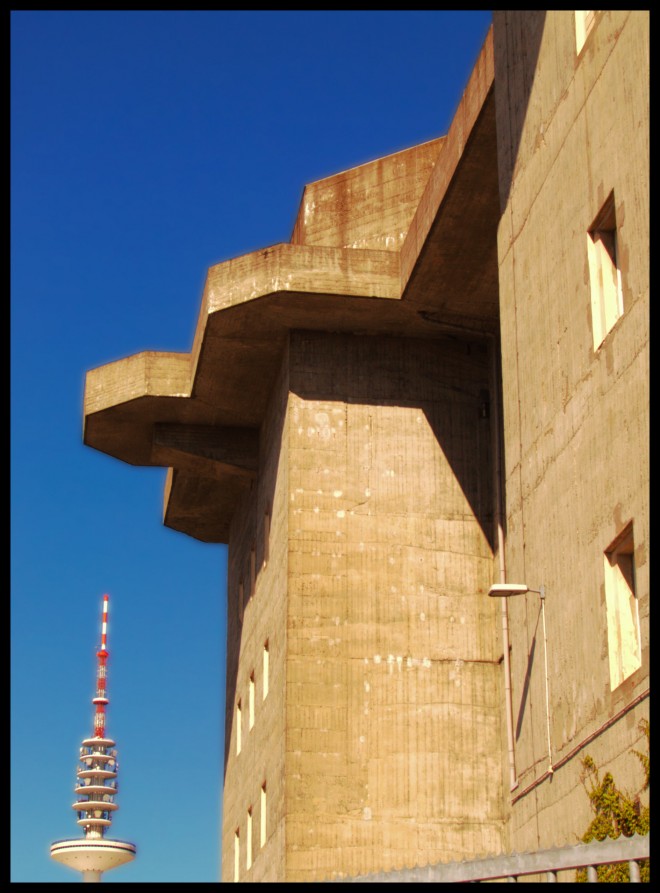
(512, 866)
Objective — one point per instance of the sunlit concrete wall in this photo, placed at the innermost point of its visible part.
(379, 737)
(393, 681)
(387, 191)
(571, 128)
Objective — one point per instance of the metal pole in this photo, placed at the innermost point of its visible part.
(499, 512)
(547, 692)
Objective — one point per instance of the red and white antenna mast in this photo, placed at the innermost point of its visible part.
(101, 676)
(96, 788)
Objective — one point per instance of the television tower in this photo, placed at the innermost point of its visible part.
(96, 787)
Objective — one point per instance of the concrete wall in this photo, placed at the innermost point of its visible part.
(264, 619)
(393, 675)
(379, 738)
(576, 421)
(386, 191)
(382, 740)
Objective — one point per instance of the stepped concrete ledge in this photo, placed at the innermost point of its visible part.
(425, 223)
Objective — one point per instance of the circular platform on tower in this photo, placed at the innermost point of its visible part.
(93, 855)
(98, 742)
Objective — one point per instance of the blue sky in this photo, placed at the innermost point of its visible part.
(145, 147)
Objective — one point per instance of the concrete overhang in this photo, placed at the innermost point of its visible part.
(199, 413)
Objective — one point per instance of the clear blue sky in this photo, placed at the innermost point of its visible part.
(145, 147)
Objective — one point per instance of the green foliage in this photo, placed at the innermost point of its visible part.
(615, 813)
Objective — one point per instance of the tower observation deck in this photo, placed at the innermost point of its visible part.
(96, 789)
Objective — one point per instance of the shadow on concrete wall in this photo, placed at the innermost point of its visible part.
(517, 36)
(447, 379)
(246, 531)
(457, 411)
(528, 675)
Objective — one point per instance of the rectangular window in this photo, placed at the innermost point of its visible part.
(251, 700)
(237, 855)
(265, 673)
(238, 727)
(584, 22)
(263, 814)
(604, 273)
(623, 638)
(248, 855)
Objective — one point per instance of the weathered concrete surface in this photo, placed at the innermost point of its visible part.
(452, 280)
(334, 423)
(392, 689)
(125, 399)
(387, 191)
(251, 303)
(393, 669)
(576, 422)
(260, 526)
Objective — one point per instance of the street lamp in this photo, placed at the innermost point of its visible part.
(504, 590)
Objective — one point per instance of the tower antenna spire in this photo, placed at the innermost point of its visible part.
(101, 699)
(96, 787)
